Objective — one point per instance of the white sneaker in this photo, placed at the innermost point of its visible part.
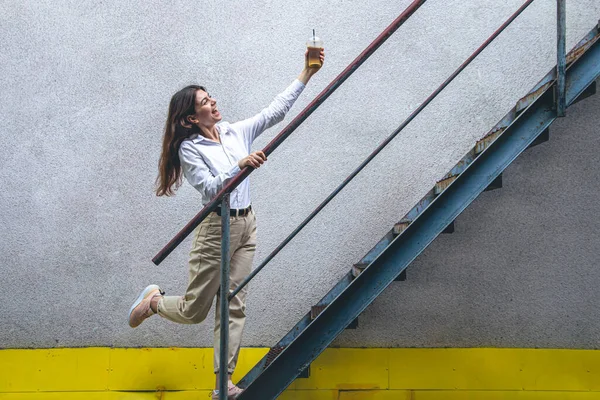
(232, 392)
(140, 310)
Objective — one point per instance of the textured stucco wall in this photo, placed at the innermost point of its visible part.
(85, 91)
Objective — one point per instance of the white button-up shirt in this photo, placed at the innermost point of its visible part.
(209, 166)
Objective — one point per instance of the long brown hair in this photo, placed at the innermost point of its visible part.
(177, 129)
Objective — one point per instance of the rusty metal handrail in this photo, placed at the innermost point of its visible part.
(243, 174)
(381, 147)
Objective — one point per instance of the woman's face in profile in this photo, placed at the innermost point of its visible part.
(207, 113)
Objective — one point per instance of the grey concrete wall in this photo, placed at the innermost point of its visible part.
(85, 92)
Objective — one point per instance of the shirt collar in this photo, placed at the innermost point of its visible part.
(197, 138)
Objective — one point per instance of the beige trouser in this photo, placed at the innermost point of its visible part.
(205, 280)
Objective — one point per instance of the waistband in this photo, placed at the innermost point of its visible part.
(236, 212)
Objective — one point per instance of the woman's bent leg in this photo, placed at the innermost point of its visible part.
(241, 265)
(204, 276)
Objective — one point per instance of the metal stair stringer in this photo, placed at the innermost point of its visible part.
(351, 296)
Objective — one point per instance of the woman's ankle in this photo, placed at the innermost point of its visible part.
(229, 381)
(154, 303)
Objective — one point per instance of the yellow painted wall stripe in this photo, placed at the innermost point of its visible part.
(421, 374)
(465, 395)
(187, 395)
(317, 395)
(54, 369)
(495, 369)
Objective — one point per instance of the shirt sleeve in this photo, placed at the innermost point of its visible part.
(252, 127)
(198, 174)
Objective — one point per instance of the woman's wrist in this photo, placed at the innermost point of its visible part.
(305, 75)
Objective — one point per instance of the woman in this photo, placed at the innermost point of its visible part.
(209, 154)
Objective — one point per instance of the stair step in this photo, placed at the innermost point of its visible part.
(353, 324)
(272, 354)
(543, 85)
(358, 268)
(401, 277)
(589, 91)
(485, 142)
(440, 186)
(480, 146)
(496, 184)
(542, 138)
(449, 228)
(532, 96)
(399, 227)
(316, 310)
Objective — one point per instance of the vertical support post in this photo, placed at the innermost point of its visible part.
(224, 299)
(562, 58)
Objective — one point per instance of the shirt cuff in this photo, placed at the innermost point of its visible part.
(233, 171)
(297, 85)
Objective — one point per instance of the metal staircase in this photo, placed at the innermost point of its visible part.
(526, 125)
